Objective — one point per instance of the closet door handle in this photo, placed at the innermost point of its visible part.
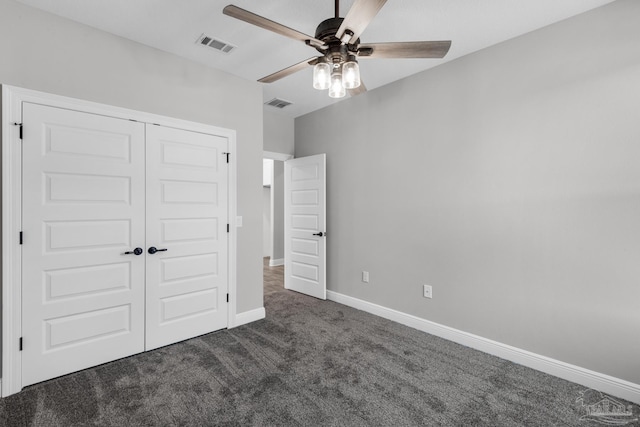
(136, 251)
(153, 250)
(320, 234)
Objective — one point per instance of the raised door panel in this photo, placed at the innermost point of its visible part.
(83, 208)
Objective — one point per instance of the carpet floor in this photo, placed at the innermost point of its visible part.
(309, 363)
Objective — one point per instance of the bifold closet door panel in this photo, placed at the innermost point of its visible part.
(187, 223)
(83, 208)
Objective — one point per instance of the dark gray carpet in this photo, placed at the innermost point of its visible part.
(309, 363)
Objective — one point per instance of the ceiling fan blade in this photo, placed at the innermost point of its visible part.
(289, 70)
(267, 24)
(357, 91)
(435, 49)
(358, 17)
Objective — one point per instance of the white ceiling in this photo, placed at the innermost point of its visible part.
(175, 25)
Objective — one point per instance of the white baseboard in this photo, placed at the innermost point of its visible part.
(249, 316)
(276, 262)
(595, 380)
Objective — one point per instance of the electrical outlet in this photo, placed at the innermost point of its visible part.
(427, 292)
(365, 276)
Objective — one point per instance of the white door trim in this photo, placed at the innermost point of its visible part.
(11, 225)
(276, 156)
(12, 99)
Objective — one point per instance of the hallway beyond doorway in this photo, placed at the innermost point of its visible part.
(273, 277)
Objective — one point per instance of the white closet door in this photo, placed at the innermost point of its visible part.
(187, 222)
(83, 207)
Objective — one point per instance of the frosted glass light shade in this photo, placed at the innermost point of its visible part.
(336, 90)
(350, 75)
(321, 76)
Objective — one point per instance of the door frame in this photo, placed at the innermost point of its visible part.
(276, 156)
(282, 157)
(12, 99)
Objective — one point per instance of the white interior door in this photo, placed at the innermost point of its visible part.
(187, 221)
(83, 208)
(305, 225)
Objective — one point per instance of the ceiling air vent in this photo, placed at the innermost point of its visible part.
(217, 44)
(278, 103)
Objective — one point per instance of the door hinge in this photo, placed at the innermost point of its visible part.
(227, 228)
(227, 154)
(19, 124)
(227, 300)
(21, 237)
(20, 343)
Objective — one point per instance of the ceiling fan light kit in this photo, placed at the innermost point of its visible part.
(338, 41)
(321, 76)
(343, 76)
(351, 73)
(337, 89)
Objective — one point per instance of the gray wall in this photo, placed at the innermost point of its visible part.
(279, 137)
(509, 180)
(277, 211)
(278, 133)
(44, 52)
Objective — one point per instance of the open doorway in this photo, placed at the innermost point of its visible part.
(273, 218)
(295, 222)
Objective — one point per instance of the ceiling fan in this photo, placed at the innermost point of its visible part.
(338, 41)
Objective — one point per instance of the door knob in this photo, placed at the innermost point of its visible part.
(136, 251)
(153, 250)
(320, 234)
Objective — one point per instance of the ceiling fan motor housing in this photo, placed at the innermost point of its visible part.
(337, 51)
(328, 29)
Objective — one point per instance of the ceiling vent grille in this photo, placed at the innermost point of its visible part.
(278, 103)
(216, 44)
